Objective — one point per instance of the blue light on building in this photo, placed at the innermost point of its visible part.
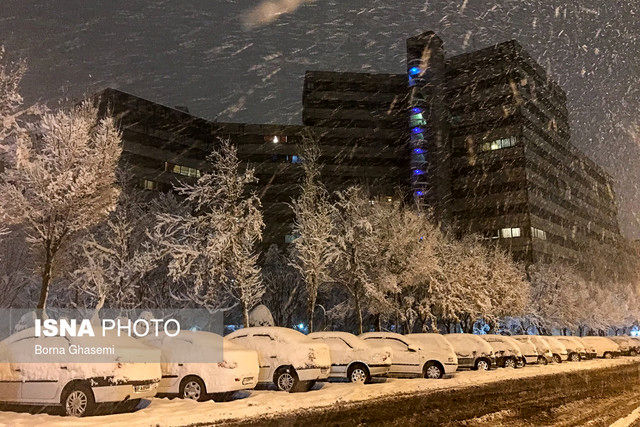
(416, 110)
(414, 71)
(417, 130)
(419, 193)
(418, 150)
(418, 172)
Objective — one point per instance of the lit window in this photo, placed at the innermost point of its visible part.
(498, 144)
(295, 159)
(147, 184)
(389, 199)
(538, 234)
(417, 120)
(186, 171)
(275, 139)
(508, 233)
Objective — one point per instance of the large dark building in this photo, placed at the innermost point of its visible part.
(481, 140)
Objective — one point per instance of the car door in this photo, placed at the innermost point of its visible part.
(42, 385)
(10, 378)
(340, 355)
(267, 355)
(404, 361)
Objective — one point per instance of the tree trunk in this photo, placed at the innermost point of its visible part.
(359, 314)
(310, 309)
(245, 315)
(46, 278)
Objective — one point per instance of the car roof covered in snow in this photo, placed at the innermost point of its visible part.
(276, 331)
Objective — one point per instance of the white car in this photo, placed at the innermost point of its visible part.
(506, 350)
(408, 357)
(604, 347)
(543, 348)
(589, 350)
(558, 349)
(530, 351)
(438, 349)
(353, 358)
(73, 383)
(575, 348)
(193, 380)
(289, 359)
(628, 346)
(472, 351)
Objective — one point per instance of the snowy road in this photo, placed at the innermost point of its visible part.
(602, 390)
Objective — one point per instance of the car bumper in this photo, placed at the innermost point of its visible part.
(311, 374)
(120, 393)
(450, 368)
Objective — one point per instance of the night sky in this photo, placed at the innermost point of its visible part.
(203, 55)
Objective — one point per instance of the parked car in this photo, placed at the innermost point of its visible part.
(506, 350)
(589, 349)
(628, 346)
(576, 349)
(529, 350)
(558, 350)
(543, 348)
(77, 386)
(192, 380)
(473, 352)
(408, 357)
(353, 358)
(439, 349)
(287, 358)
(605, 347)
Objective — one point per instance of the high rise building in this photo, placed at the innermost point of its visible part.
(480, 140)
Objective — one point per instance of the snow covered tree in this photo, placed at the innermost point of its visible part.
(312, 229)
(117, 256)
(61, 181)
(211, 248)
(355, 249)
(283, 286)
(10, 102)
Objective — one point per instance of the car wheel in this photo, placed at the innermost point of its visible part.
(557, 358)
(510, 362)
(542, 360)
(286, 379)
(193, 388)
(521, 363)
(358, 374)
(608, 355)
(78, 401)
(433, 371)
(482, 365)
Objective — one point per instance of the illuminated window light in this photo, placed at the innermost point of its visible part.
(275, 140)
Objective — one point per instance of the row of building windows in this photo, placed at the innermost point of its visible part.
(513, 232)
(538, 234)
(183, 170)
(500, 143)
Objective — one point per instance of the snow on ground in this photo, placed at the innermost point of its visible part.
(261, 403)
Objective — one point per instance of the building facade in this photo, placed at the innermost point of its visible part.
(481, 140)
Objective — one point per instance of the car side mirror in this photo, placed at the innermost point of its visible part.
(412, 349)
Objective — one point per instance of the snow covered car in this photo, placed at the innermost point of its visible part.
(558, 350)
(408, 357)
(437, 346)
(590, 351)
(605, 348)
(543, 348)
(628, 346)
(575, 348)
(529, 350)
(287, 358)
(77, 386)
(353, 358)
(506, 350)
(472, 351)
(197, 381)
